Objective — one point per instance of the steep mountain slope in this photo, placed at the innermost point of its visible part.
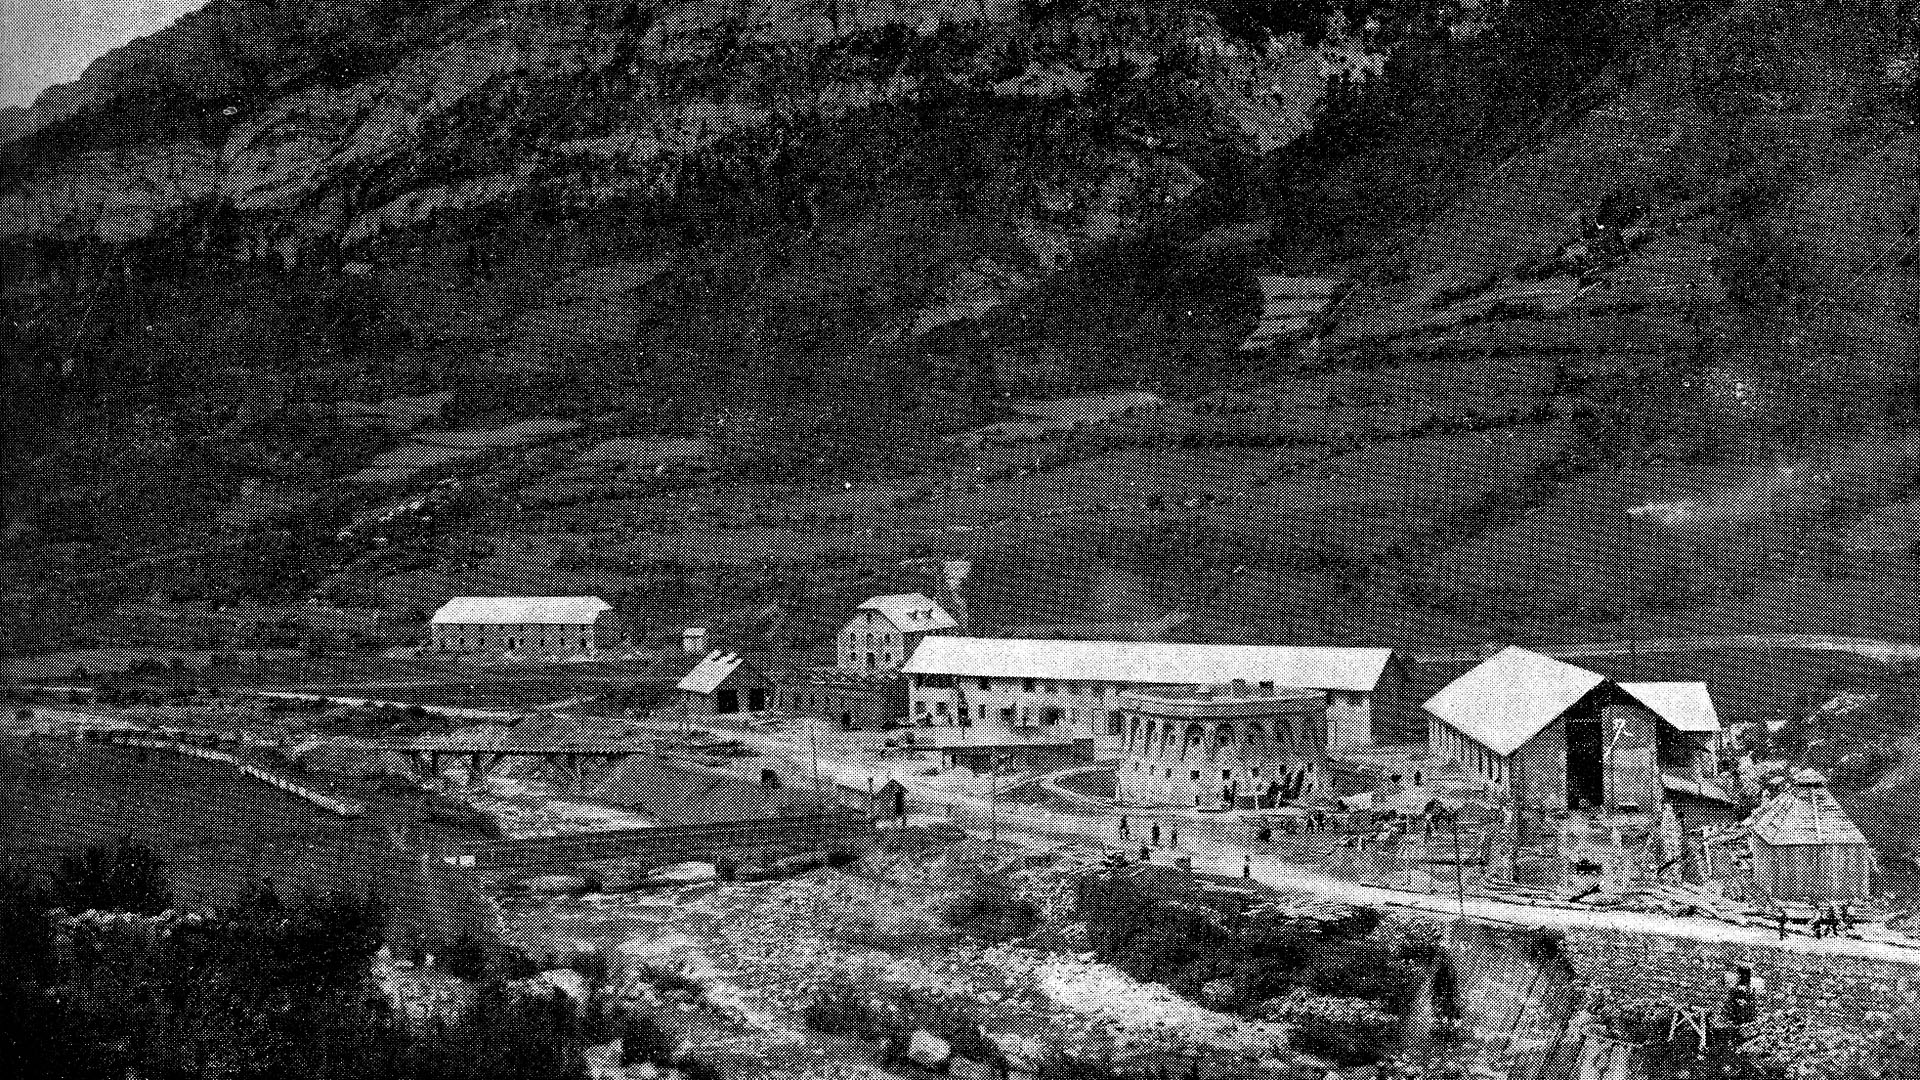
(719, 311)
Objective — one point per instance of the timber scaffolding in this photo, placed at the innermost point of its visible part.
(842, 829)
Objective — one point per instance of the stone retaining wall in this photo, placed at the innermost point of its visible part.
(1853, 993)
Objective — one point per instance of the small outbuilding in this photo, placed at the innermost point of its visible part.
(1806, 849)
(722, 684)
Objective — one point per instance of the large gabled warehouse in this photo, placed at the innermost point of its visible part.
(1557, 736)
(525, 625)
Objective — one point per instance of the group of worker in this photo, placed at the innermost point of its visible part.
(1173, 835)
(1833, 921)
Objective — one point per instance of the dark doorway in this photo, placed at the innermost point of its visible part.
(727, 701)
(756, 699)
(1585, 783)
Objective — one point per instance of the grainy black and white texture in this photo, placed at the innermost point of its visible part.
(1437, 327)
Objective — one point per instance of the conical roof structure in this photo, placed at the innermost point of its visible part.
(1804, 813)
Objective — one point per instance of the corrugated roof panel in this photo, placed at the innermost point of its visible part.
(1511, 697)
(1153, 663)
(516, 610)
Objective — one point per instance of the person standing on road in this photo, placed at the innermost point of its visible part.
(1173, 838)
(1125, 830)
(1246, 868)
(1156, 834)
(1781, 916)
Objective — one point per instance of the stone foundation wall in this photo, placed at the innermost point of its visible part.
(1525, 988)
(1853, 993)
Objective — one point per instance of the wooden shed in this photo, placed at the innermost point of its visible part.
(723, 684)
(1806, 849)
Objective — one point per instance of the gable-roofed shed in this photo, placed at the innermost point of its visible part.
(724, 683)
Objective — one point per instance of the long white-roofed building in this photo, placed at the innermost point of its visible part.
(1069, 690)
(526, 625)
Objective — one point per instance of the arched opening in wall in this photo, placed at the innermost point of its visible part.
(1196, 735)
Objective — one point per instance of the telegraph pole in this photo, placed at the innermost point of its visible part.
(1459, 869)
(813, 744)
(993, 797)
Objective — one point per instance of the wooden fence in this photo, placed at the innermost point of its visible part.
(813, 831)
(342, 807)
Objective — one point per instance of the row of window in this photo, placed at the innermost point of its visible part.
(1075, 686)
(455, 642)
(1193, 774)
(1467, 752)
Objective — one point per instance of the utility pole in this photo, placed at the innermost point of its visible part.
(813, 744)
(1459, 869)
(993, 797)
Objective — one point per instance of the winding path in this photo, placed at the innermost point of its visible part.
(1887, 652)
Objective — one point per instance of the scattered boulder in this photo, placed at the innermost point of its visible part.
(557, 884)
(1020, 1051)
(927, 1050)
(1221, 993)
(603, 1062)
(755, 872)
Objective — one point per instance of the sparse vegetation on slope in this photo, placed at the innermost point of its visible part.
(565, 338)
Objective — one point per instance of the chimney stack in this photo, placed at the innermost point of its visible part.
(693, 640)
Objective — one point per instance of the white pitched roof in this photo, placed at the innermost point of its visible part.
(1152, 663)
(911, 612)
(1685, 705)
(710, 672)
(495, 610)
(1511, 697)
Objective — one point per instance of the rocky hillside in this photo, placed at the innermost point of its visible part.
(743, 313)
